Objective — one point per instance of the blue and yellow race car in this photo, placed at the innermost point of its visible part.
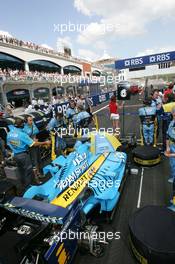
(45, 219)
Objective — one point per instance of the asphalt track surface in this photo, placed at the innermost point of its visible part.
(148, 187)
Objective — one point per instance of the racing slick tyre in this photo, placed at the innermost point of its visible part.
(152, 235)
(146, 155)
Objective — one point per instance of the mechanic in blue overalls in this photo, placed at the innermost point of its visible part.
(31, 129)
(56, 122)
(82, 119)
(71, 112)
(157, 103)
(147, 115)
(55, 126)
(166, 117)
(19, 142)
(170, 151)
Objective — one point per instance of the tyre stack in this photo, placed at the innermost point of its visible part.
(146, 155)
(152, 235)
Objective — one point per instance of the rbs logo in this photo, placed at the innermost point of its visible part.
(147, 60)
(159, 58)
(139, 62)
(134, 62)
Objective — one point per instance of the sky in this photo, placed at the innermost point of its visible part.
(118, 28)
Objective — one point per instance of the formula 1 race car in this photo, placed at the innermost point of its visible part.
(47, 223)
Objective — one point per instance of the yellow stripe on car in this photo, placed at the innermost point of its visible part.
(74, 190)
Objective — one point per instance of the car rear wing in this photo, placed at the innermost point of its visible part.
(36, 210)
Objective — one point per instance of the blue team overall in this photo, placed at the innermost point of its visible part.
(79, 121)
(19, 142)
(171, 138)
(166, 119)
(147, 115)
(70, 114)
(157, 104)
(57, 124)
(32, 131)
(80, 117)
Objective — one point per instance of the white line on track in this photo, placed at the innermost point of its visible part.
(140, 189)
(136, 105)
(126, 106)
(142, 172)
(100, 109)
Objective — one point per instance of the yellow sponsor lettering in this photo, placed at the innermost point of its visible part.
(62, 255)
(74, 190)
(59, 249)
(147, 162)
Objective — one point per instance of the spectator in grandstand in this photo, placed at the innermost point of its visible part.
(8, 110)
(40, 102)
(34, 101)
(29, 109)
(170, 151)
(114, 113)
(17, 75)
(66, 98)
(79, 100)
(54, 100)
(36, 108)
(28, 44)
(13, 104)
(61, 100)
